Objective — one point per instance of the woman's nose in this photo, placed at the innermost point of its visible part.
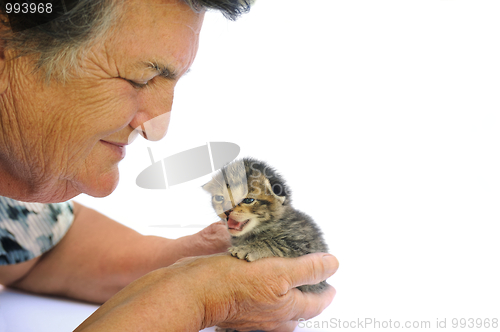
(156, 128)
(153, 118)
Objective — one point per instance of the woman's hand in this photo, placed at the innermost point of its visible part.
(261, 295)
(213, 239)
(200, 292)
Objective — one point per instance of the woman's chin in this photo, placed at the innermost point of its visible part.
(99, 186)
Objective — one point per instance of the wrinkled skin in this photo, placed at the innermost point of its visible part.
(221, 290)
(54, 138)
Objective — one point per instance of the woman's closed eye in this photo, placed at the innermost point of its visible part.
(138, 85)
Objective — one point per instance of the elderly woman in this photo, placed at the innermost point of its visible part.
(72, 91)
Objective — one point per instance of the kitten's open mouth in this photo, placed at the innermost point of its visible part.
(236, 225)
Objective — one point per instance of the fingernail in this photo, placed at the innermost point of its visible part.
(330, 263)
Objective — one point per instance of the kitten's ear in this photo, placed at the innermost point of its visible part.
(208, 186)
(281, 199)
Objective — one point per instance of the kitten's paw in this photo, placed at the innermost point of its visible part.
(243, 252)
(252, 256)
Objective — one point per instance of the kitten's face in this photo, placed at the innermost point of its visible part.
(245, 200)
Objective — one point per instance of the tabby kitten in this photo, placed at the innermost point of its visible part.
(256, 203)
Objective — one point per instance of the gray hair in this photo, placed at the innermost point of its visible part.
(58, 45)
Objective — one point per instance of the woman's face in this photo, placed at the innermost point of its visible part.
(63, 140)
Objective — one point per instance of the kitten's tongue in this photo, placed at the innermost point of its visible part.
(233, 224)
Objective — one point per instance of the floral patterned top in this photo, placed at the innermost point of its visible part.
(27, 230)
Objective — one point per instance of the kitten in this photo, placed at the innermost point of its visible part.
(256, 202)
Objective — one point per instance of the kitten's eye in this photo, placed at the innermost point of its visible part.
(218, 198)
(247, 201)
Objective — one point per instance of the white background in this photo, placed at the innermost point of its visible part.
(384, 118)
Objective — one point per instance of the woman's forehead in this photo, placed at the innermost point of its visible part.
(163, 33)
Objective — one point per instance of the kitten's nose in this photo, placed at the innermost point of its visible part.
(228, 212)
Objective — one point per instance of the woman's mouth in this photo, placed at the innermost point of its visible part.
(117, 148)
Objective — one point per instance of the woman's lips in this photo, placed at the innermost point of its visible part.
(117, 148)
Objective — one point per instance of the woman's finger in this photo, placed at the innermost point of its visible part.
(309, 305)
